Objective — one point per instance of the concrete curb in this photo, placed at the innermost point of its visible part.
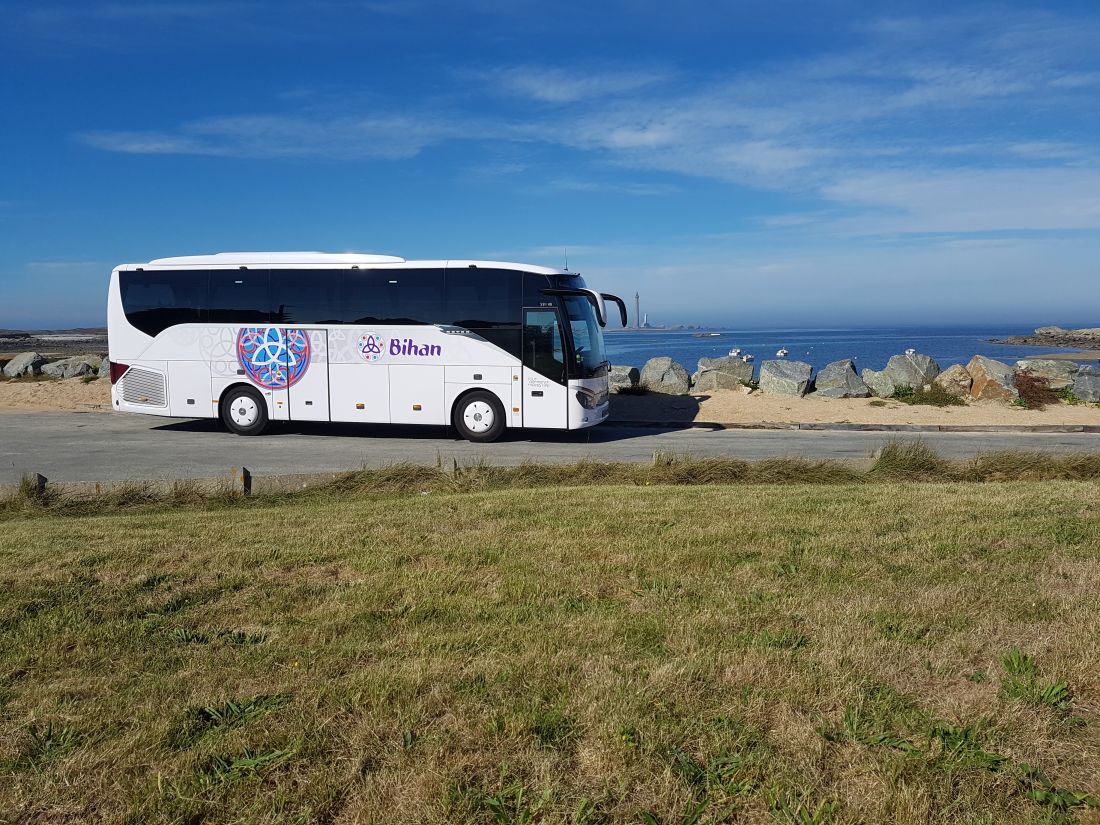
(845, 427)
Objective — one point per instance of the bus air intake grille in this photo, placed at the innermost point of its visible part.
(144, 387)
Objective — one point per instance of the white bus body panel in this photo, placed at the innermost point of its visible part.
(309, 396)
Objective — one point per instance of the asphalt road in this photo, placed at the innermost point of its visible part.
(79, 447)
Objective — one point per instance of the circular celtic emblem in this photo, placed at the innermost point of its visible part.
(272, 357)
(371, 346)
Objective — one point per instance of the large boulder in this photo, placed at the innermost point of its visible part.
(723, 373)
(878, 382)
(839, 380)
(954, 380)
(104, 368)
(711, 380)
(912, 370)
(666, 376)
(1086, 385)
(72, 367)
(992, 380)
(619, 378)
(785, 377)
(1059, 374)
(25, 363)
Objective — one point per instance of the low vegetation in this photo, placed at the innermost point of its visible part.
(933, 395)
(1035, 392)
(687, 642)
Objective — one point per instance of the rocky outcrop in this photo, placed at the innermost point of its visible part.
(724, 373)
(619, 378)
(1086, 384)
(913, 370)
(1056, 337)
(104, 369)
(25, 363)
(839, 380)
(878, 382)
(785, 377)
(1059, 374)
(665, 376)
(72, 367)
(992, 380)
(954, 380)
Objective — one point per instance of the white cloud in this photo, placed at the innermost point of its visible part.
(552, 85)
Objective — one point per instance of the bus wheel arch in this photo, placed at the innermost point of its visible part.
(243, 409)
(478, 415)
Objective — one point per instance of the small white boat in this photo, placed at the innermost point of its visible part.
(747, 357)
(735, 352)
(910, 351)
(782, 352)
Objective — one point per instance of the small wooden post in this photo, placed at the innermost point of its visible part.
(40, 484)
(246, 481)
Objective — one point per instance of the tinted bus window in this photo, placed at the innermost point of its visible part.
(239, 296)
(156, 300)
(393, 296)
(305, 296)
(483, 298)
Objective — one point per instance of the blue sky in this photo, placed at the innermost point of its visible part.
(743, 163)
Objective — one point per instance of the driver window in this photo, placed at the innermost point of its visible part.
(542, 344)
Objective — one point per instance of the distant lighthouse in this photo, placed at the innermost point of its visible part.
(637, 311)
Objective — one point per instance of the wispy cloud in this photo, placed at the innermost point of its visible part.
(553, 85)
(926, 124)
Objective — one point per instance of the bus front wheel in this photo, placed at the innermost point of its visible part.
(244, 411)
(479, 417)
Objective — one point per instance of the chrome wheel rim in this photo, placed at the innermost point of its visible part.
(244, 411)
(478, 417)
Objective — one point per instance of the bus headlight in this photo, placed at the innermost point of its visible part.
(591, 400)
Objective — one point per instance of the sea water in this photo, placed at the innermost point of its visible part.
(866, 347)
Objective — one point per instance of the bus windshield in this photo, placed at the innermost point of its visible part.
(589, 357)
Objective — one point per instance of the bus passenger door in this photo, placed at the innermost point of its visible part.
(544, 398)
(307, 374)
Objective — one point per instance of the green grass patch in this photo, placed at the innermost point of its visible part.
(676, 642)
(933, 396)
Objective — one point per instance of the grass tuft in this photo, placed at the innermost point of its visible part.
(933, 396)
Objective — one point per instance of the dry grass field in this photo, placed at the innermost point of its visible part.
(402, 647)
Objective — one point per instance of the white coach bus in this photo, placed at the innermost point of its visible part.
(306, 336)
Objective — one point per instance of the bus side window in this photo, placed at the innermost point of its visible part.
(415, 296)
(542, 345)
(364, 297)
(483, 298)
(239, 296)
(305, 296)
(154, 300)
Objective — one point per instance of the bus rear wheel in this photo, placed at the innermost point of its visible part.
(479, 417)
(244, 411)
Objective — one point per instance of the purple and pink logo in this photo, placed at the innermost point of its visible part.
(372, 347)
(273, 357)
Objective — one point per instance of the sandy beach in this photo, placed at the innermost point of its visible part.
(723, 406)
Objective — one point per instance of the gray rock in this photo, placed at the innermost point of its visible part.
(1086, 385)
(839, 380)
(711, 380)
(954, 380)
(723, 373)
(739, 369)
(70, 367)
(785, 377)
(1059, 374)
(622, 378)
(914, 370)
(25, 363)
(878, 382)
(992, 380)
(104, 369)
(666, 376)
